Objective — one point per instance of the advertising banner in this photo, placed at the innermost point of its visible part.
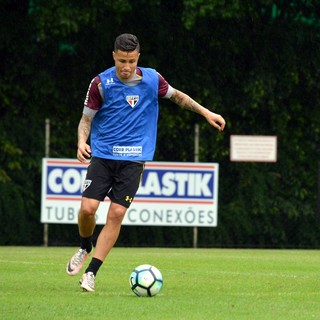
(244, 148)
(170, 194)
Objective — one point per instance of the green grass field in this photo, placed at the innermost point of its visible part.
(198, 284)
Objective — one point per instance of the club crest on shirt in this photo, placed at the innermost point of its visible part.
(86, 185)
(132, 100)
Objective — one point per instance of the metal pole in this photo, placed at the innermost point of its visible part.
(47, 154)
(196, 159)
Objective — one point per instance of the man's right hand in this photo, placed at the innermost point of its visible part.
(84, 152)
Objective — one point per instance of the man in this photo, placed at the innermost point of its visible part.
(120, 112)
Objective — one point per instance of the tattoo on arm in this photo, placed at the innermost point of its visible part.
(185, 102)
(192, 105)
(84, 128)
(177, 99)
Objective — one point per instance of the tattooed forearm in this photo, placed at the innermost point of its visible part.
(193, 106)
(184, 101)
(84, 128)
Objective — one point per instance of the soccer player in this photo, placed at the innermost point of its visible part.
(120, 114)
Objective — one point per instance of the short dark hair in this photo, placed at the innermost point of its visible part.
(126, 42)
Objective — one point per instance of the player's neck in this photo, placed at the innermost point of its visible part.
(136, 79)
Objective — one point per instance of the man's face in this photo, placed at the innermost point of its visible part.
(126, 63)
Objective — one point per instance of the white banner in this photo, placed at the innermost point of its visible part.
(253, 148)
(170, 194)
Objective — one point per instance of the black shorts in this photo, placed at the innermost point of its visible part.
(117, 179)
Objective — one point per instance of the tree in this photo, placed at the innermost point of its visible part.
(255, 63)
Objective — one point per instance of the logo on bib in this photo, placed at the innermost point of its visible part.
(132, 100)
(86, 185)
(109, 82)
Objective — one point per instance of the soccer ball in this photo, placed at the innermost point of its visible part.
(146, 280)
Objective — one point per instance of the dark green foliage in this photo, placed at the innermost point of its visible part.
(255, 63)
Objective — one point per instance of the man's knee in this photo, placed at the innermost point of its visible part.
(89, 206)
(116, 212)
